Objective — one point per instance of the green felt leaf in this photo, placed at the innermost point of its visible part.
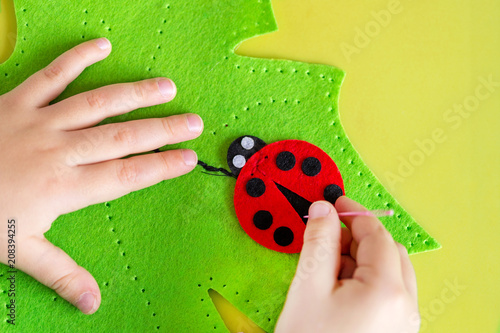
(156, 252)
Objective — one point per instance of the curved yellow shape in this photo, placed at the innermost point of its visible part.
(8, 29)
(233, 318)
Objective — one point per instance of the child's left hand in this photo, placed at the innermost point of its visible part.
(54, 162)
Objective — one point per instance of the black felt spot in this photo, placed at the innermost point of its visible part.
(299, 204)
(311, 166)
(285, 161)
(283, 236)
(263, 219)
(255, 187)
(332, 193)
(236, 149)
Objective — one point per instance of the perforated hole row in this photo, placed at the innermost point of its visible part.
(158, 47)
(270, 101)
(265, 70)
(207, 297)
(85, 23)
(119, 243)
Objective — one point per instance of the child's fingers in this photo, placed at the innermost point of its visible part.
(91, 107)
(113, 179)
(353, 251)
(54, 268)
(377, 256)
(347, 267)
(117, 140)
(48, 83)
(408, 271)
(346, 240)
(320, 256)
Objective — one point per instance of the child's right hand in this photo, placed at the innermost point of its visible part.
(348, 280)
(52, 161)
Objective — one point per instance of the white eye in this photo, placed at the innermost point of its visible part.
(239, 161)
(247, 143)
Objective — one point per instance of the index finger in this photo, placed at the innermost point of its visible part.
(48, 83)
(377, 256)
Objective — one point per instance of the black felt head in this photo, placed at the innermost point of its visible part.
(241, 150)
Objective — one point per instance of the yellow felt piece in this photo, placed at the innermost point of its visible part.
(234, 319)
(7, 29)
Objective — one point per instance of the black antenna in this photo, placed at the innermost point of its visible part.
(210, 168)
(214, 169)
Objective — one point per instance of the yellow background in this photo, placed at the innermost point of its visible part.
(401, 81)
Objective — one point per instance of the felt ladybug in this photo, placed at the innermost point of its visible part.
(275, 186)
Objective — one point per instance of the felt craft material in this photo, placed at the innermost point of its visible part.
(241, 150)
(276, 187)
(155, 253)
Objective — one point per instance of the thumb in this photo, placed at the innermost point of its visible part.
(54, 268)
(320, 256)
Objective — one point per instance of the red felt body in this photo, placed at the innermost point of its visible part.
(263, 165)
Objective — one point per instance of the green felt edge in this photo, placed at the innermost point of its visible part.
(38, 299)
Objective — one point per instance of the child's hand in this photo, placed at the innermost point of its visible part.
(354, 279)
(52, 161)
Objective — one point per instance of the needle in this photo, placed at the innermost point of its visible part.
(376, 213)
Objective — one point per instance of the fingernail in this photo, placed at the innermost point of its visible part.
(86, 302)
(319, 209)
(190, 157)
(103, 43)
(167, 88)
(195, 124)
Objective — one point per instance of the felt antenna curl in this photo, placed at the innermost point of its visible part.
(212, 169)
